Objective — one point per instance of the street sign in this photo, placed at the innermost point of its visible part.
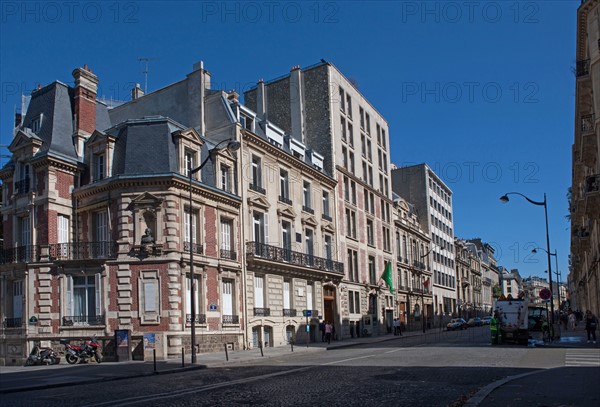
(545, 294)
(307, 312)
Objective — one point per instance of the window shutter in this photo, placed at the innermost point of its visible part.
(69, 308)
(98, 287)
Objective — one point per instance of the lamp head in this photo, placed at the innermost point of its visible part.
(534, 251)
(233, 146)
(504, 198)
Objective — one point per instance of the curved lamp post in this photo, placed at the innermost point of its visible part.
(232, 146)
(504, 199)
(556, 272)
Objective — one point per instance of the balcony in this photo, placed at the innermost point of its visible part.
(228, 254)
(83, 320)
(20, 254)
(308, 209)
(287, 256)
(196, 248)
(289, 312)
(262, 312)
(403, 288)
(231, 319)
(83, 251)
(285, 200)
(582, 68)
(257, 188)
(22, 186)
(13, 322)
(200, 319)
(419, 265)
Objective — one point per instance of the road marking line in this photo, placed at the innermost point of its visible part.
(346, 360)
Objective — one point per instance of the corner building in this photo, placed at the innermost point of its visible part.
(321, 109)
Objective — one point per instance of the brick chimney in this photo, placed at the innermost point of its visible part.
(136, 92)
(84, 106)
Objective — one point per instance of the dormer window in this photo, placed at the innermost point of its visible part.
(247, 122)
(99, 166)
(190, 161)
(36, 124)
(225, 178)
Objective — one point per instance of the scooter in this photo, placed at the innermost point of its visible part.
(89, 349)
(42, 356)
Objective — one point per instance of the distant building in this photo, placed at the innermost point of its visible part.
(532, 287)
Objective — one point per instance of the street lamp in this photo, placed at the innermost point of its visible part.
(423, 289)
(232, 146)
(504, 199)
(556, 272)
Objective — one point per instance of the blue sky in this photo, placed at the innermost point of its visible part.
(481, 91)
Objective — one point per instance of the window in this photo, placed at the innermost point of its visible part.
(83, 299)
(17, 304)
(226, 236)
(363, 145)
(387, 245)
(63, 236)
(309, 240)
(351, 161)
(225, 178)
(365, 177)
(260, 227)
(350, 223)
(346, 189)
(190, 219)
(227, 308)
(372, 272)
(247, 122)
(326, 203)
(306, 195)
(256, 172)
(36, 124)
(350, 135)
(188, 297)
(309, 296)
(22, 185)
(98, 167)
(327, 247)
(259, 291)
(383, 139)
(345, 157)
(361, 113)
(342, 100)
(370, 237)
(190, 162)
(370, 169)
(353, 192)
(369, 151)
(354, 302)
(286, 238)
(368, 123)
(343, 127)
(353, 265)
(284, 186)
(100, 224)
(348, 106)
(287, 301)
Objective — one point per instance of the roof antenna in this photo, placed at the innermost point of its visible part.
(145, 71)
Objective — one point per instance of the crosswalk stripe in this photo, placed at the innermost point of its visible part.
(581, 357)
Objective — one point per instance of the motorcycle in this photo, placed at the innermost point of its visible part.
(42, 356)
(88, 350)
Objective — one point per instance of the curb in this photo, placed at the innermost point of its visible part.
(478, 397)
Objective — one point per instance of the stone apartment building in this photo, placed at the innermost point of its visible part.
(433, 201)
(413, 267)
(511, 282)
(321, 109)
(97, 226)
(584, 261)
(289, 231)
(490, 276)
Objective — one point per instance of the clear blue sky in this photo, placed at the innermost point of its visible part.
(481, 91)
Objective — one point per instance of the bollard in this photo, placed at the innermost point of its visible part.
(154, 356)
(182, 357)
(226, 354)
(261, 349)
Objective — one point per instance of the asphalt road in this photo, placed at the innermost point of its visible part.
(441, 372)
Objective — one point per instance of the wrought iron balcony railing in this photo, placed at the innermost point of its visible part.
(289, 312)
(83, 251)
(20, 254)
(200, 319)
(228, 254)
(85, 320)
(257, 188)
(262, 312)
(283, 255)
(583, 67)
(13, 322)
(197, 248)
(285, 200)
(231, 319)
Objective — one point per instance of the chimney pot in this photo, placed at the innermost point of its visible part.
(85, 66)
(39, 86)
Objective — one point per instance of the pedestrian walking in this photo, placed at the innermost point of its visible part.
(572, 321)
(591, 323)
(328, 331)
(322, 330)
(395, 325)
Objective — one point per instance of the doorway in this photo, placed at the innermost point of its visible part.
(329, 304)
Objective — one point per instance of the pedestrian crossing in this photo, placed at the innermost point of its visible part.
(582, 357)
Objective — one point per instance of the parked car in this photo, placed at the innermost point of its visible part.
(456, 323)
(475, 322)
(486, 320)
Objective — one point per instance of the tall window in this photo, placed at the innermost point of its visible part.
(327, 247)
(309, 296)
(352, 265)
(260, 227)
(309, 239)
(197, 297)
(286, 236)
(190, 218)
(99, 167)
(284, 185)
(342, 100)
(326, 203)
(343, 127)
(287, 301)
(225, 178)
(348, 106)
(226, 235)
(306, 195)
(370, 234)
(17, 301)
(83, 298)
(354, 302)
(259, 291)
(227, 308)
(256, 171)
(189, 161)
(350, 223)
(63, 235)
(372, 272)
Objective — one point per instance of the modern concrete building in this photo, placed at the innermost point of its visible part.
(585, 187)
(323, 110)
(413, 266)
(432, 199)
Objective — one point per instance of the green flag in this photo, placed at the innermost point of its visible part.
(387, 276)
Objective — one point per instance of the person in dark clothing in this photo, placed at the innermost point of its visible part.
(322, 330)
(591, 323)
